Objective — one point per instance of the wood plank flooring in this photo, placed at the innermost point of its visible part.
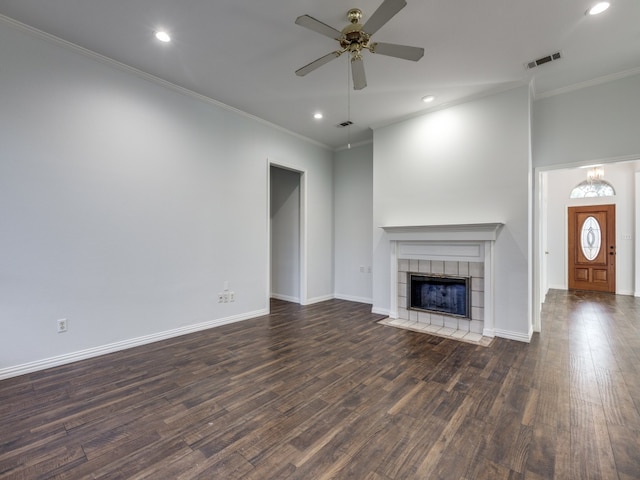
(324, 392)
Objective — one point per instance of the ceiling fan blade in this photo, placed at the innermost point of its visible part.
(357, 73)
(383, 14)
(317, 26)
(398, 51)
(301, 72)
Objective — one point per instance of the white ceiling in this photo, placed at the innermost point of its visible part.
(244, 52)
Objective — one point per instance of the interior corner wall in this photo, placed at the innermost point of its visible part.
(125, 205)
(353, 193)
(469, 163)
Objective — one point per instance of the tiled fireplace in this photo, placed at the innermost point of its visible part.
(448, 251)
(472, 270)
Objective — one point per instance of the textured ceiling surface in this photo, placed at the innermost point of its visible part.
(244, 53)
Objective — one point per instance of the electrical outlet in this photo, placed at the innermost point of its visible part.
(62, 325)
(232, 296)
(220, 297)
(225, 297)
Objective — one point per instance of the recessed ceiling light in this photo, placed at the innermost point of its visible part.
(162, 36)
(428, 99)
(317, 116)
(598, 8)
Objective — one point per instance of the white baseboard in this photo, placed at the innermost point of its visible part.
(520, 337)
(323, 298)
(122, 345)
(285, 298)
(626, 292)
(380, 311)
(352, 298)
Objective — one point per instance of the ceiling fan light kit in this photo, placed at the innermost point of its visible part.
(355, 38)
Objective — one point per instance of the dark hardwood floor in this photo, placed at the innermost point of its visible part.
(324, 392)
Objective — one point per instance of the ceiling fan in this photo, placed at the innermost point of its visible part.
(354, 38)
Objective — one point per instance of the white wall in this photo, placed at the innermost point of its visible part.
(285, 234)
(125, 205)
(466, 164)
(636, 237)
(560, 183)
(586, 125)
(353, 194)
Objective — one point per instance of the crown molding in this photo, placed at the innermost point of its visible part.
(151, 78)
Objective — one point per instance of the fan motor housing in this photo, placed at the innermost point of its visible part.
(353, 37)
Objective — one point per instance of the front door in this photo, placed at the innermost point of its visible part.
(592, 251)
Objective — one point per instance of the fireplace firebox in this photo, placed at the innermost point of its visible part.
(442, 294)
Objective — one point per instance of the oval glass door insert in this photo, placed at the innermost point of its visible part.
(590, 238)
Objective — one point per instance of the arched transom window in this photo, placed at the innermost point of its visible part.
(593, 186)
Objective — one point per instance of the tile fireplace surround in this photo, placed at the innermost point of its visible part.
(461, 250)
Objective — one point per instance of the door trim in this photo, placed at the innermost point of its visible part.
(303, 230)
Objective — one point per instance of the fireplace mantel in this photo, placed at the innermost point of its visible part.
(446, 243)
(453, 232)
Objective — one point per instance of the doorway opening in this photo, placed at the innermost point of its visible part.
(551, 220)
(286, 234)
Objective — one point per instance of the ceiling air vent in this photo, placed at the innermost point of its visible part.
(543, 60)
(345, 124)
